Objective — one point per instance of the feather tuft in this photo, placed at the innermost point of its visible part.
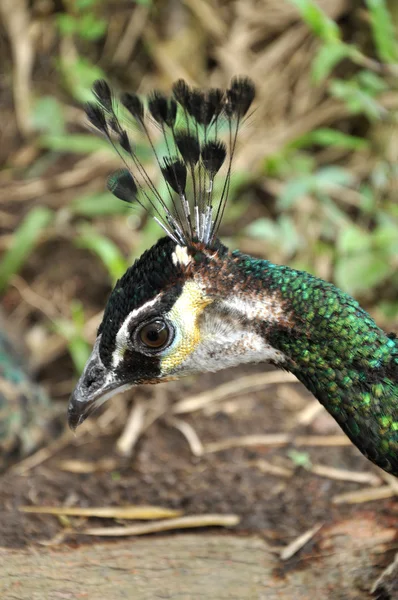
(175, 173)
(240, 96)
(184, 134)
(124, 141)
(122, 185)
(182, 93)
(213, 156)
(188, 147)
(134, 106)
(163, 110)
(96, 116)
(103, 94)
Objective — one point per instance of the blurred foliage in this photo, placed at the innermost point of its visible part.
(324, 199)
(364, 243)
(72, 330)
(24, 240)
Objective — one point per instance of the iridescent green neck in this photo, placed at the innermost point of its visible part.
(335, 348)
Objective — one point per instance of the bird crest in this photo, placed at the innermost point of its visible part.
(185, 133)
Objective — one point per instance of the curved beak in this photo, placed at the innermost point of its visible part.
(96, 385)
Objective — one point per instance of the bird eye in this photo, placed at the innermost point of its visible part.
(155, 334)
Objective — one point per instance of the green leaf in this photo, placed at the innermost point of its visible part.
(328, 56)
(79, 76)
(48, 115)
(105, 249)
(371, 82)
(389, 310)
(383, 32)
(353, 239)
(294, 190)
(317, 20)
(356, 99)
(72, 331)
(78, 143)
(330, 137)
(91, 27)
(385, 238)
(67, 24)
(24, 240)
(80, 351)
(368, 200)
(300, 458)
(333, 175)
(82, 5)
(98, 204)
(360, 272)
(264, 229)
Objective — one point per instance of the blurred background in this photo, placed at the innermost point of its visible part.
(315, 183)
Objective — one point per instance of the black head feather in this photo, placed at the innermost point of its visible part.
(142, 281)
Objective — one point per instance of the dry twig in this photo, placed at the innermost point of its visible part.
(292, 548)
(345, 475)
(188, 522)
(243, 385)
(132, 432)
(190, 435)
(366, 495)
(22, 467)
(138, 513)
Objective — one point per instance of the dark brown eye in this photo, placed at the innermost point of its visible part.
(155, 334)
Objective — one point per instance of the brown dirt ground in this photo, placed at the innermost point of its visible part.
(163, 471)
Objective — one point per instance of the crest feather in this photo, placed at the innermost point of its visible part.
(189, 153)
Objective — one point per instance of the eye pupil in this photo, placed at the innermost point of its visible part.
(154, 334)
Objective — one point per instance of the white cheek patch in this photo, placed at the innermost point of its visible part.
(123, 335)
(225, 343)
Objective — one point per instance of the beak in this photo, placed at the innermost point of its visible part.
(96, 385)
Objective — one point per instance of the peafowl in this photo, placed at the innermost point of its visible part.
(26, 414)
(191, 305)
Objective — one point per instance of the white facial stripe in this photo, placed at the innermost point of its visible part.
(180, 256)
(266, 309)
(122, 336)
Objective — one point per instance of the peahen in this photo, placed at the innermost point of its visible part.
(27, 417)
(190, 305)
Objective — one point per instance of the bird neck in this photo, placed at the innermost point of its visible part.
(334, 348)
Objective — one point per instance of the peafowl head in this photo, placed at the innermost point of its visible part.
(176, 310)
